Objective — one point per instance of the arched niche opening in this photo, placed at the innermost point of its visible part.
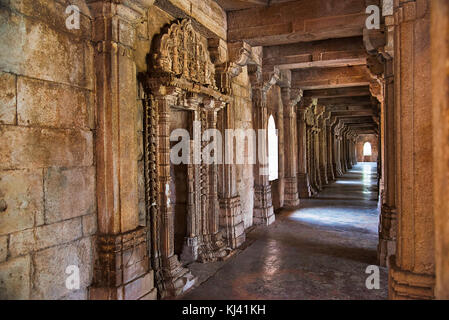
(273, 150)
(367, 149)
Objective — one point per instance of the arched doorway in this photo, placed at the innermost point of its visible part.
(273, 150)
(367, 152)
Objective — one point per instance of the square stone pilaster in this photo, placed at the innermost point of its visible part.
(122, 270)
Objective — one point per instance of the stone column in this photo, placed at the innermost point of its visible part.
(213, 244)
(412, 269)
(387, 223)
(303, 176)
(317, 148)
(346, 153)
(440, 107)
(340, 155)
(291, 197)
(191, 242)
(263, 207)
(335, 148)
(231, 217)
(323, 150)
(352, 161)
(175, 278)
(330, 151)
(314, 159)
(122, 269)
(347, 165)
(343, 150)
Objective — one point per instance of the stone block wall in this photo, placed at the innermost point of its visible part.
(374, 141)
(47, 172)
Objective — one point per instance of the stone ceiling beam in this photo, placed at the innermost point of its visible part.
(346, 101)
(348, 108)
(298, 21)
(338, 92)
(352, 113)
(323, 78)
(325, 53)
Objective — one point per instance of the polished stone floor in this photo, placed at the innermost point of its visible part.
(319, 251)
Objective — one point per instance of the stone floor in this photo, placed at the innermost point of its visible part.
(319, 251)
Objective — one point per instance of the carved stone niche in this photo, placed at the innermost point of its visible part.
(182, 199)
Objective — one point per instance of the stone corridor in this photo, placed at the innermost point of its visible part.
(224, 149)
(319, 251)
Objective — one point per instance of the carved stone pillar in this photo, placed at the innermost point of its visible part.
(175, 278)
(351, 150)
(346, 153)
(440, 82)
(291, 197)
(412, 269)
(313, 159)
(334, 137)
(263, 207)
(330, 151)
(212, 244)
(303, 176)
(122, 269)
(317, 149)
(191, 241)
(323, 150)
(387, 223)
(231, 217)
(339, 149)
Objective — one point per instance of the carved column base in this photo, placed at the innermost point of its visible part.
(263, 207)
(338, 171)
(335, 169)
(330, 173)
(213, 248)
(231, 221)
(314, 188)
(189, 250)
(387, 235)
(122, 271)
(263, 216)
(319, 184)
(344, 168)
(406, 285)
(175, 278)
(324, 178)
(304, 185)
(291, 196)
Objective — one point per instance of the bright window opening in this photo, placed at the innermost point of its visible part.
(272, 150)
(367, 149)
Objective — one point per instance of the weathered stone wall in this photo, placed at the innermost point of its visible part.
(48, 209)
(47, 173)
(371, 138)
